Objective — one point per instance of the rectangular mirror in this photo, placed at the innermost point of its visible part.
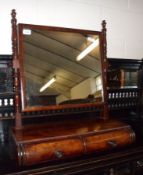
(123, 73)
(59, 66)
(6, 84)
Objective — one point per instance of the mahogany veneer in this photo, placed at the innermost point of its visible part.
(61, 140)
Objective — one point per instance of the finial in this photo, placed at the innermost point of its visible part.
(13, 15)
(103, 24)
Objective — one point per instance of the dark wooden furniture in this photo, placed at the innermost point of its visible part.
(6, 87)
(123, 91)
(109, 157)
(125, 160)
(47, 142)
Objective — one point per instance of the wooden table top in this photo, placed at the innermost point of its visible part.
(65, 129)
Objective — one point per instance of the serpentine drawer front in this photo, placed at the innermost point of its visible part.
(49, 142)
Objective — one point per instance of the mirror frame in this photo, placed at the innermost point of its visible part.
(18, 57)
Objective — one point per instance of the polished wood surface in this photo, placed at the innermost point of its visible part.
(104, 70)
(18, 121)
(62, 140)
(64, 129)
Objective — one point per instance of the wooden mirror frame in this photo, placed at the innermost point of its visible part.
(18, 90)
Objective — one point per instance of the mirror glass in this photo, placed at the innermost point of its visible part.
(129, 79)
(6, 83)
(123, 78)
(60, 66)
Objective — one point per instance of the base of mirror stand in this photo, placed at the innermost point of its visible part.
(37, 144)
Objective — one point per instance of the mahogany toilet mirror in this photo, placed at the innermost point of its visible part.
(75, 61)
(43, 53)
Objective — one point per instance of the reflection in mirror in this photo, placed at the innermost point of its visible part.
(129, 79)
(61, 67)
(123, 78)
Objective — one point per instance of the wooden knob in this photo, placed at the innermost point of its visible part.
(58, 154)
(112, 143)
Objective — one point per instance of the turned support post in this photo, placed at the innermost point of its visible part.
(15, 62)
(104, 70)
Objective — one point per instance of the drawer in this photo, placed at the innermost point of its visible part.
(70, 141)
(109, 140)
(33, 153)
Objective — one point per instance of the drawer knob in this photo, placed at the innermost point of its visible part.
(112, 143)
(58, 154)
(140, 163)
